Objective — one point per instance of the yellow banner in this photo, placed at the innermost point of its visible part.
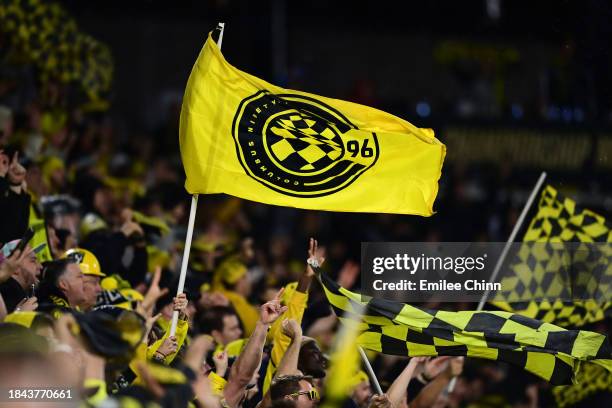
(242, 136)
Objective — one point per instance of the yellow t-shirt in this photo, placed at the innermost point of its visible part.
(295, 311)
(182, 328)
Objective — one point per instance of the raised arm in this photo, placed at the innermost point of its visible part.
(397, 391)
(289, 363)
(195, 355)
(249, 360)
(316, 257)
(428, 395)
(296, 306)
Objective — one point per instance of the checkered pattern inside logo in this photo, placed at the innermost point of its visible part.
(303, 144)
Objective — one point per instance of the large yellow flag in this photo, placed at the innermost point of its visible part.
(242, 136)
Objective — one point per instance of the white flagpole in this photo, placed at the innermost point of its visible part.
(222, 25)
(515, 231)
(370, 371)
(188, 239)
(185, 261)
(502, 258)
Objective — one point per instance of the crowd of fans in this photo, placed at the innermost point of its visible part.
(87, 304)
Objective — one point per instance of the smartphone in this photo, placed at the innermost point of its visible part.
(27, 236)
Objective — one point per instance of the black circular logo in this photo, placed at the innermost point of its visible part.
(299, 146)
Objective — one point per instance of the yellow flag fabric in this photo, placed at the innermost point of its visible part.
(344, 362)
(242, 136)
(37, 223)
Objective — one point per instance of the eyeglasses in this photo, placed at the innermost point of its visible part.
(312, 394)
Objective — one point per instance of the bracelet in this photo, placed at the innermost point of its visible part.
(313, 262)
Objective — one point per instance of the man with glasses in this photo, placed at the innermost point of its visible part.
(297, 388)
(61, 286)
(92, 273)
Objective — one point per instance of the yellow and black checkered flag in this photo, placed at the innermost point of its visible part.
(539, 278)
(242, 136)
(550, 352)
(592, 380)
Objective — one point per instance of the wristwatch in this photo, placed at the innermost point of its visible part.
(314, 262)
(159, 357)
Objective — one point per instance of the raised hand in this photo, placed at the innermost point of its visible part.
(180, 302)
(433, 367)
(27, 304)
(149, 323)
(16, 172)
(455, 366)
(197, 350)
(316, 256)
(221, 361)
(169, 346)
(291, 329)
(153, 293)
(348, 274)
(10, 266)
(380, 401)
(130, 228)
(418, 360)
(272, 310)
(180, 305)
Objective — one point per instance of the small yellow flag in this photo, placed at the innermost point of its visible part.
(242, 136)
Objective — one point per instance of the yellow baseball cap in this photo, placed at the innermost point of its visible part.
(87, 261)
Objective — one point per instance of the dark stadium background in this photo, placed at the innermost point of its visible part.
(512, 91)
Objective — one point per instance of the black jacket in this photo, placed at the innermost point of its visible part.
(109, 247)
(14, 212)
(12, 293)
